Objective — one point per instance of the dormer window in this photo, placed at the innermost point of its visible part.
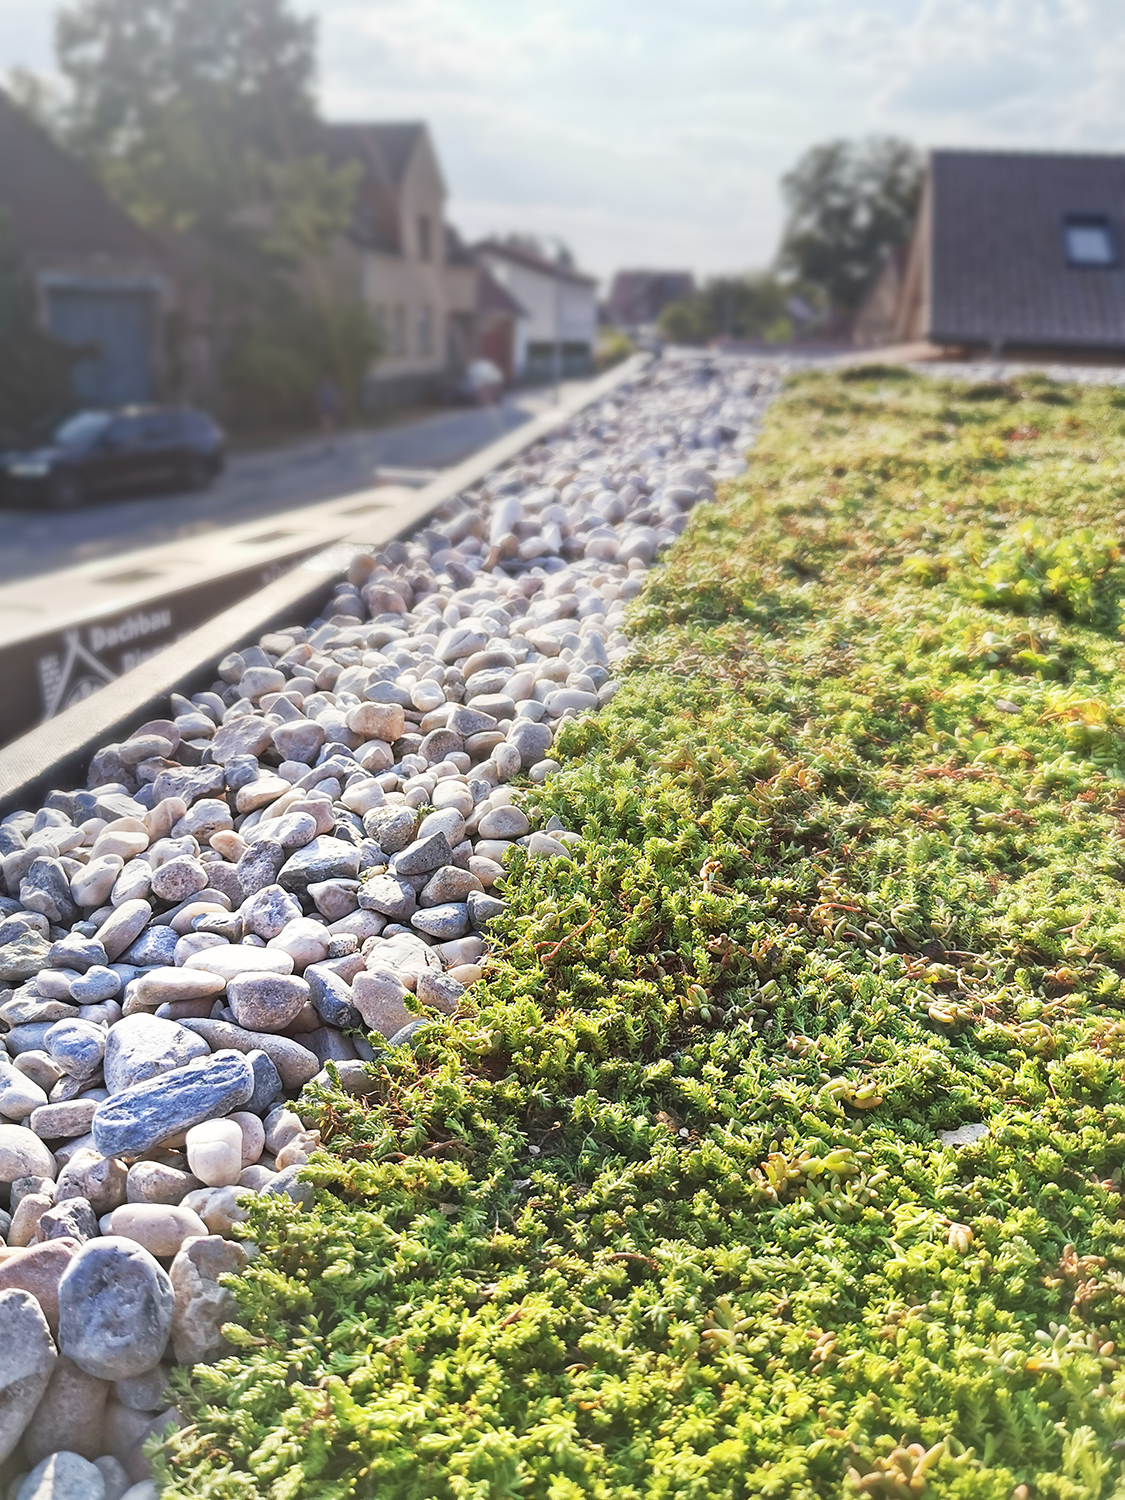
(1089, 240)
(425, 243)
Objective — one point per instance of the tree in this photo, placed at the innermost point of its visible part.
(294, 327)
(848, 203)
(741, 307)
(174, 102)
(200, 118)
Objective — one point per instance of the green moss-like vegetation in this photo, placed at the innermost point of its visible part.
(664, 1212)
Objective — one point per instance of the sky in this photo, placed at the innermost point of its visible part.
(653, 133)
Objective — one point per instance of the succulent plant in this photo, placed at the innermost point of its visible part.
(664, 1210)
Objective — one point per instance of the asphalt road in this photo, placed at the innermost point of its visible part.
(253, 485)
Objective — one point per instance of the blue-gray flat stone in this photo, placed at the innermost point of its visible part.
(138, 1118)
(422, 856)
(76, 952)
(442, 922)
(332, 997)
(267, 1083)
(324, 858)
(155, 948)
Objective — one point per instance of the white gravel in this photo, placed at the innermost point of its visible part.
(307, 853)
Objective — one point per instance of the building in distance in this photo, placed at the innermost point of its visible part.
(560, 309)
(637, 298)
(101, 283)
(1013, 253)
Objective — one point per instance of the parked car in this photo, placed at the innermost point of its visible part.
(96, 453)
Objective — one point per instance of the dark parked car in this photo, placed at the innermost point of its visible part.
(98, 453)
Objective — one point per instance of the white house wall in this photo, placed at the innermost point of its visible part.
(556, 310)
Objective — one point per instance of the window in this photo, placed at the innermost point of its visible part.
(425, 330)
(81, 430)
(398, 332)
(425, 246)
(1089, 240)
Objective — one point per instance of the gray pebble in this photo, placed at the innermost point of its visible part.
(391, 827)
(388, 895)
(97, 984)
(266, 1002)
(286, 1184)
(27, 1359)
(332, 997)
(73, 1218)
(63, 1120)
(259, 866)
(76, 1046)
(141, 1047)
(155, 946)
(423, 856)
(267, 1082)
(76, 952)
(482, 908)
(115, 1309)
(442, 922)
(324, 858)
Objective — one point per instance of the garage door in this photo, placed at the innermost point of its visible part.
(115, 327)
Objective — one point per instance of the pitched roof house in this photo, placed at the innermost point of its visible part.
(559, 303)
(1013, 251)
(101, 281)
(403, 260)
(639, 297)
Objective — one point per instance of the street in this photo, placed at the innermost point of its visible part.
(255, 485)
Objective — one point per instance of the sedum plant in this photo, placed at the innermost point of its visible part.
(779, 1152)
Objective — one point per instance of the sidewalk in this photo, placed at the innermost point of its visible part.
(260, 485)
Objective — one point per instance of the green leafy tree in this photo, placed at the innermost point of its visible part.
(742, 307)
(293, 327)
(848, 203)
(200, 118)
(34, 369)
(175, 102)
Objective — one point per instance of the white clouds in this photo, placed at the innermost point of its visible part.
(654, 131)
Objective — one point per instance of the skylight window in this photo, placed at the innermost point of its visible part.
(1089, 240)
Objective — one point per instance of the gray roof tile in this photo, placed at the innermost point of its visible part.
(998, 264)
